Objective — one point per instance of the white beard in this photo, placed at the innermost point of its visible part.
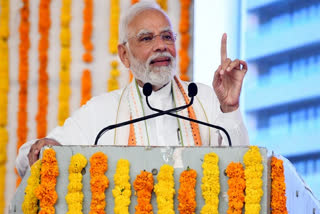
(158, 76)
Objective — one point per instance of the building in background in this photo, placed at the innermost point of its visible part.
(282, 90)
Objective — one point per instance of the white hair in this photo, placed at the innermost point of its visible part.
(132, 12)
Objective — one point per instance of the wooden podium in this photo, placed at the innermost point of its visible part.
(300, 199)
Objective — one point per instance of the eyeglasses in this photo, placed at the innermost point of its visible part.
(147, 39)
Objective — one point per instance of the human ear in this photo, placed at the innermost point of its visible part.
(123, 54)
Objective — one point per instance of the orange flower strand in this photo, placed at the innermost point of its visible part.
(237, 184)
(184, 26)
(98, 182)
(43, 27)
(143, 185)
(24, 46)
(46, 192)
(278, 187)
(187, 193)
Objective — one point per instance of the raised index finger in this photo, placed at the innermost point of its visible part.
(223, 50)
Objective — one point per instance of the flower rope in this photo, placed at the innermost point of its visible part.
(237, 185)
(43, 27)
(278, 187)
(113, 83)
(210, 183)
(187, 193)
(185, 39)
(143, 185)
(163, 4)
(74, 196)
(164, 190)
(30, 202)
(122, 188)
(98, 182)
(4, 89)
(87, 57)
(65, 60)
(46, 192)
(253, 173)
(24, 46)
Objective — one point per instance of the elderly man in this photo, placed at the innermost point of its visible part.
(147, 47)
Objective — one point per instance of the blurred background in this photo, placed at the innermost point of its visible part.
(280, 40)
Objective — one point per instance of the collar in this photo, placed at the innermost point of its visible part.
(162, 93)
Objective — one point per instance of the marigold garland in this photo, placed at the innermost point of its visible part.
(237, 184)
(278, 187)
(113, 82)
(4, 89)
(164, 190)
(185, 39)
(43, 46)
(65, 60)
(210, 183)
(30, 203)
(98, 182)
(46, 192)
(24, 46)
(253, 175)
(86, 82)
(122, 188)
(143, 185)
(163, 4)
(187, 193)
(74, 196)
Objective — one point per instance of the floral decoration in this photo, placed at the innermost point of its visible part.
(98, 182)
(253, 176)
(30, 203)
(164, 190)
(237, 185)
(122, 188)
(143, 185)
(278, 187)
(210, 183)
(65, 60)
(74, 196)
(46, 192)
(184, 28)
(87, 57)
(24, 46)
(43, 46)
(187, 193)
(113, 82)
(4, 89)
(163, 4)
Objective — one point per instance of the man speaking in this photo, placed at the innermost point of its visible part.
(147, 47)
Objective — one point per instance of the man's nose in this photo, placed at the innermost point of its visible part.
(159, 45)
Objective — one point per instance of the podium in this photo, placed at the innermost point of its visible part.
(300, 199)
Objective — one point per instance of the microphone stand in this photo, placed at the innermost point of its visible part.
(190, 119)
(139, 119)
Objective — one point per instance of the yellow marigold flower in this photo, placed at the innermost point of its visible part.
(210, 183)
(122, 189)
(30, 203)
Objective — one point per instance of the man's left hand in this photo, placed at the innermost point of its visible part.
(228, 79)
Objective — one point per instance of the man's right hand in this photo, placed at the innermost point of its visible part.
(35, 149)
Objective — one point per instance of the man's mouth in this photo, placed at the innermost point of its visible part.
(161, 61)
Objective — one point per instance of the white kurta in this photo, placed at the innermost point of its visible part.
(101, 111)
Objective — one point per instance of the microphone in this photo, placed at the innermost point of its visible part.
(147, 89)
(192, 91)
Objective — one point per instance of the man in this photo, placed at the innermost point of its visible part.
(147, 47)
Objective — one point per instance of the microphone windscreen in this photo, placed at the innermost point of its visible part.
(147, 89)
(192, 90)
